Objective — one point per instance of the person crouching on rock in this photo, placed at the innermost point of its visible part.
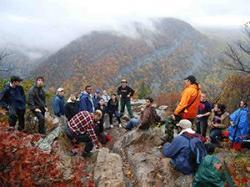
(148, 117)
(81, 129)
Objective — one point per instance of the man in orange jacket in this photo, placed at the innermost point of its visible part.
(190, 99)
(186, 109)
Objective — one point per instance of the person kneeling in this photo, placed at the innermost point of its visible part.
(81, 128)
(148, 117)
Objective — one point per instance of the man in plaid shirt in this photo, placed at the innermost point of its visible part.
(81, 128)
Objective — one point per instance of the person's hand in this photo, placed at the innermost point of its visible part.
(199, 116)
(46, 109)
(232, 123)
(173, 116)
(218, 166)
(128, 95)
(37, 110)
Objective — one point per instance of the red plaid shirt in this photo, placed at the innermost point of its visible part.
(82, 123)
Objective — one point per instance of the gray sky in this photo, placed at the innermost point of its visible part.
(50, 24)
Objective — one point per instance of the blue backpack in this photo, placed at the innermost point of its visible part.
(198, 151)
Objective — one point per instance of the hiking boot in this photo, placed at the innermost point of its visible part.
(87, 155)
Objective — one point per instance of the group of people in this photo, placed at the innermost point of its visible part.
(192, 151)
(85, 117)
(84, 112)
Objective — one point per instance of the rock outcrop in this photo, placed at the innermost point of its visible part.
(142, 150)
(108, 170)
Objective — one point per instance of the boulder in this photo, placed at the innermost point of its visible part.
(141, 150)
(108, 170)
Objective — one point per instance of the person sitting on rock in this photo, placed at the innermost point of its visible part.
(210, 172)
(81, 128)
(148, 117)
(180, 149)
(219, 122)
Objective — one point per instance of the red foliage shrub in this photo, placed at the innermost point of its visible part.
(22, 164)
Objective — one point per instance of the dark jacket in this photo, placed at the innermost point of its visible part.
(13, 98)
(86, 102)
(124, 92)
(58, 105)
(112, 106)
(96, 100)
(204, 107)
(71, 109)
(37, 98)
(149, 117)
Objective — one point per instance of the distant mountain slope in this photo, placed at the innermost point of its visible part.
(161, 56)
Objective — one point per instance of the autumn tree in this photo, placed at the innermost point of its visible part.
(144, 90)
(234, 89)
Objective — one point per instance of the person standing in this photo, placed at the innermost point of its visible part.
(97, 97)
(186, 109)
(239, 128)
(125, 93)
(13, 99)
(204, 111)
(112, 109)
(37, 103)
(105, 96)
(190, 100)
(58, 103)
(86, 100)
(71, 108)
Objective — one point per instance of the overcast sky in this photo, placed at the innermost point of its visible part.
(50, 24)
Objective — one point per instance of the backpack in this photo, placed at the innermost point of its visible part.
(198, 151)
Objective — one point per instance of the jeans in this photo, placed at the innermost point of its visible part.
(215, 135)
(80, 138)
(134, 122)
(41, 121)
(116, 115)
(126, 102)
(201, 127)
(15, 115)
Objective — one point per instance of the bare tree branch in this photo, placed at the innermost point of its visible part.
(239, 61)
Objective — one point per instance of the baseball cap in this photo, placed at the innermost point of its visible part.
(15, 78)
(60, 89)
(124, 81)
(191, 78)
(184, 124)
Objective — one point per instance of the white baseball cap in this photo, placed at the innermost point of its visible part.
(184, 124)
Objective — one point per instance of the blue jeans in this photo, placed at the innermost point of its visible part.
(133, 122)
(215, 135)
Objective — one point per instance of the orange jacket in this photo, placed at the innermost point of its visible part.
(187, 97)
